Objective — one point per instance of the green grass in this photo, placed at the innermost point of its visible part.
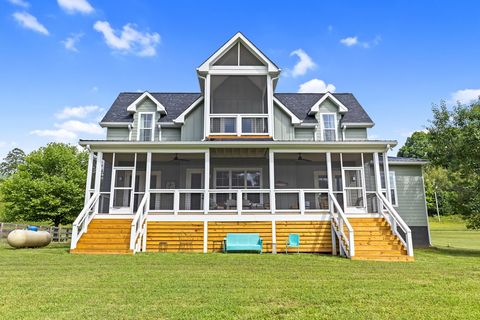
(49, 283)
(451, 232)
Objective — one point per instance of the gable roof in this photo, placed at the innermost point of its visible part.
(174, 103)
(299, 104)
(271, 67)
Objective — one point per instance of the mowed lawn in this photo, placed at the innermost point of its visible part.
(49, 283)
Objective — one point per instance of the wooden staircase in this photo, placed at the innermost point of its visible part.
(105, 236)
(374, 240)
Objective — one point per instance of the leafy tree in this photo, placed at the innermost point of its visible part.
(48, 186)
(11, 162)
(455, 137)
(418, 145)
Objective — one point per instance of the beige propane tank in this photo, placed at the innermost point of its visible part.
(29, 239)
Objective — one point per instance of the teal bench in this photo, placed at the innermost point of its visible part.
(242, 242)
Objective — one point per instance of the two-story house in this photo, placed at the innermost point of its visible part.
(178, 171)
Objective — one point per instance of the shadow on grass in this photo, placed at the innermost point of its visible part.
(454, 252)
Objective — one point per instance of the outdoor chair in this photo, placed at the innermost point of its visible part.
(293, 242)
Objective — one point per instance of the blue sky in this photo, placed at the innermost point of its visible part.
(63, 62)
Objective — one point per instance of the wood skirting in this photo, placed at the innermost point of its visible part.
(315, 236)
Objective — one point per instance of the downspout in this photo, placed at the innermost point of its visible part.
(130, 128)
(344, 128)
(272, 115)
(204, 106)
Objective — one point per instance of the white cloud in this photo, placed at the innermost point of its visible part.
(28, 21)
(353, 41)
(73, 6)
(94, 89)
(57, 135)
(349, 41)
(129, 40)
(316, 86)
(71, 42)
(465, 96)
(20, 3)
(303, 65)
(79, 126)
(76, 112)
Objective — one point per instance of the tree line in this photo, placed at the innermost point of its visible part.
(451, 144)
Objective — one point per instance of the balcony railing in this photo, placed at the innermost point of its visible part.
(239, 124)
(226, 201)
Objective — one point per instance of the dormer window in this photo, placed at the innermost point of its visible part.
(329, 130)
(146, 125)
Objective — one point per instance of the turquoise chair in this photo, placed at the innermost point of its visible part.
(293, 242)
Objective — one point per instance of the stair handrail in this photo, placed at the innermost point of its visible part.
(80, 225)
(394, 221)
(139, 226)
(339, 221)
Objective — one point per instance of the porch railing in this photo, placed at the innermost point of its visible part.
(395, 221)
(80, 224)
(139, 226)
(239, 124)
(339, 224)
(238, 201)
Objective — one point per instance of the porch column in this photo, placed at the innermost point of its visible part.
(89, 177)
(387, 176)
(206, 196)
(330, 202)
(148, 172)
(271, 176)
(98, 174)
(378, 180)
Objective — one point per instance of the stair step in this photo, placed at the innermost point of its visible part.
(103, 246)
(384, 258)
(105, 240)
(100, 251)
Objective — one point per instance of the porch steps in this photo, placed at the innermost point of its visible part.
(374, 240)
(105, 236)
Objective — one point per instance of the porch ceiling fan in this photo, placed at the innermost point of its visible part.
(176, 158)
(301, 158)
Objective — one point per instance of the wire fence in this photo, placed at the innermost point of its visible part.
(59, 234)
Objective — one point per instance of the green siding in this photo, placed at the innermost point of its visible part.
(411, 195)
(192, 129)
(117, 134)
(171, 134)
(146, 105)
(356, 134)
(305, 134)
(282, 125)
(328, 106)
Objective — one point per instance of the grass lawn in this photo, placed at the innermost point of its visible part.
(451, 232)
(49, 283)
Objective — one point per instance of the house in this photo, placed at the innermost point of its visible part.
(178, 171)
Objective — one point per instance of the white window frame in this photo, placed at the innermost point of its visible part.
(322, 125)
(393, 186)
(140, 122)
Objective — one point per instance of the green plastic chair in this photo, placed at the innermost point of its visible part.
(293, 242)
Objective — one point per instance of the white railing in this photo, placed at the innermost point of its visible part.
(139, 226)
(395, 221)
(339, 223)
(239, 124)
(301, 200)
(80, 224)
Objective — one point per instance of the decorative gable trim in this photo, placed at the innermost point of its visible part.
(133, 107)
(316, 107)
(205, 67)
(181, 118)
(295, 119)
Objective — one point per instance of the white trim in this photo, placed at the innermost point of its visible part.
(235, 217)
(139, 127)
(181, 117)
(394, 188)
(295, 119)
(207, 65)
(133, 106)
(316, 107)
(322, 125)
(114, 124)
(358, 124)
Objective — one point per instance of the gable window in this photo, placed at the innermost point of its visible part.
(393, 188)
(329, 129)
(145, 127)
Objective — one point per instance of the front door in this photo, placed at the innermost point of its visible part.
(194, 181)
(122, 191)
(354, 190)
